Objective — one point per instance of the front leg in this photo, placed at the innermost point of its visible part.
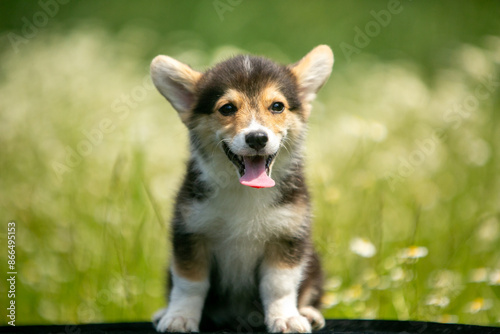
(190, 284)
(281, 274)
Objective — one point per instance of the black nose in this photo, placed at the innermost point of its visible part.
(256, 140)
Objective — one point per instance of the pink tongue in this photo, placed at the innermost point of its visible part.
(255, 173)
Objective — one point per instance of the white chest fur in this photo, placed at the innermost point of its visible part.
(238, 221)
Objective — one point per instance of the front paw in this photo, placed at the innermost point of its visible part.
(176, 324)
(294, 324)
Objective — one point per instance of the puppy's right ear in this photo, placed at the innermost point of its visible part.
(176, 81)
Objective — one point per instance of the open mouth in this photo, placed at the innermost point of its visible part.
(255, 171)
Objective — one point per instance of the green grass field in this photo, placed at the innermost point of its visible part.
(403, 168)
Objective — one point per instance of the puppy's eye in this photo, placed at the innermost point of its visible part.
(277, 107)
(227, 109)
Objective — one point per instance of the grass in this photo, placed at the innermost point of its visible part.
(403, 170)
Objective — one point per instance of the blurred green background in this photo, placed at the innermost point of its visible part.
(403, 152)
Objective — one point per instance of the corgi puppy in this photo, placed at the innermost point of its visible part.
(241, 228)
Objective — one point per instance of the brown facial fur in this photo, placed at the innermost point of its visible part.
(256, 108)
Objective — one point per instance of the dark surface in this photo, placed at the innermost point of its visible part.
(332, 326)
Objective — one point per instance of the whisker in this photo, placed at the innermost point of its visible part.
(285, 147)
(284, 143)
(217, 145)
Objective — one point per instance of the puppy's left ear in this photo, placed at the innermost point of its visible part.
(313, 70)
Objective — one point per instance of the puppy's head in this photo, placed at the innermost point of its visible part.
(247, 107)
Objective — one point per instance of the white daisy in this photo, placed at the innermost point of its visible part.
(413, 252)
(478, 275)
(495, 277)
(439, 301)
(479, 304)
(362, 247)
